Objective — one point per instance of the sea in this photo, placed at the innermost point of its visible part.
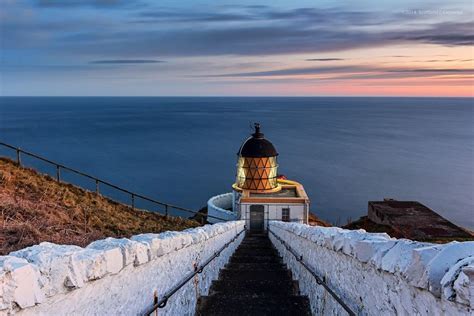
(346, 151)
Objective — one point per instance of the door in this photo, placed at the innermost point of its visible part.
(256, 217)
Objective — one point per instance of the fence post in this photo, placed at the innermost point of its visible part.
(133, 201)
(97, 186)
(18, 158)
(58, 173)
(166, 210)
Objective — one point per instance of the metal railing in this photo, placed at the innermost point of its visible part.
(319, 280)
(197, 270)
(98, 181)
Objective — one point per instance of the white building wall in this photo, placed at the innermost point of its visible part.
(114, 276)
(378, 275)
(273, 211)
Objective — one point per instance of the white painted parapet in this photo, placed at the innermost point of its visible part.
(114, 276)
(378, 275)
(220, 206)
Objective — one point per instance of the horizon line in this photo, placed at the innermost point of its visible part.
(235, 96)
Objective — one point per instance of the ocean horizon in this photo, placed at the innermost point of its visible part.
(346, 151)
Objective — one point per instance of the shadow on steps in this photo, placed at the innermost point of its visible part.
(254, 282)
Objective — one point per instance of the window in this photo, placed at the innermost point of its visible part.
(285, 214)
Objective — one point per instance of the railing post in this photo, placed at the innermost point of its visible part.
(97, 186)
(155, 301)
(18, 158)
(166, 210)
(133, 201)
(58, 173)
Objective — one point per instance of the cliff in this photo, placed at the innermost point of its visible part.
(36, 208)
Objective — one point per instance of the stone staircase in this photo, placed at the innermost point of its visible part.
(254, 282)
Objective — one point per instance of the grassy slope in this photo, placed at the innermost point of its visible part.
(313, 220)
(35, 208)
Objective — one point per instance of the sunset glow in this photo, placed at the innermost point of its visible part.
(97, 47)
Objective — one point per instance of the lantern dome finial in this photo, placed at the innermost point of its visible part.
(257, 146)
(257, 133)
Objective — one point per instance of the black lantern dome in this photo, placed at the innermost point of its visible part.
(257, 163)
(257, 146)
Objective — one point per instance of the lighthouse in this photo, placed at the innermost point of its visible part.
(258, 194)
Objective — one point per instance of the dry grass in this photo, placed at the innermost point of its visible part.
(313, 220)
(35, 208)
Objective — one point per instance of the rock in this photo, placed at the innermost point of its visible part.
(398, 258)
(464, 286)
(445, 259)
(19, 283)
(133, 252)
(447, 282)
(58, 273)
(420, 257)
(372, 249)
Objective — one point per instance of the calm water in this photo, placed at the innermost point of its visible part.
(346, 151)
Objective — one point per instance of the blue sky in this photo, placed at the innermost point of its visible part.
(119, 47)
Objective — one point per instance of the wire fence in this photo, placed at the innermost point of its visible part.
(164, 208)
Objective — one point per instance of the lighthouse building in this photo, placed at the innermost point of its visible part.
(259, 194)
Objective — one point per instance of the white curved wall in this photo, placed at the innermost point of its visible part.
(114, 276)
(218, 206)
(378, 275)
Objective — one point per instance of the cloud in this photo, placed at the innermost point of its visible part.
(449, 34)
(231, 40)
(324, 59)
(154, 16)
(126, 61)
(79, 3)
(232, 31)
(263, 32)
(351, 72)
(298, 71)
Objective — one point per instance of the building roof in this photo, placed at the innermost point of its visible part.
(290, 192)
(257, 146)
(414, 220)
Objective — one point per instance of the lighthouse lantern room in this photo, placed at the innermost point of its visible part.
(259, 194)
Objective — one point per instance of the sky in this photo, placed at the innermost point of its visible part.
(229, 48)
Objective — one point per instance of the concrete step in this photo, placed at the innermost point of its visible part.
(255, 239)
(259, 243)
(255, 259)
(216, 305)
(252, 287)
(256, 266)
(238, 274)
(255, 245)
(256, 251)
(255, 281)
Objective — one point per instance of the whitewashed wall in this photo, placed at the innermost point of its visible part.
(378, 275)
(217, 208)
(114, 276)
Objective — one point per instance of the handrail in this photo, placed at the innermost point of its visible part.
(197, 270)
(98, 181)
(299, 258)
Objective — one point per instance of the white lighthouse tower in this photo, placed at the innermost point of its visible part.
(259, 194)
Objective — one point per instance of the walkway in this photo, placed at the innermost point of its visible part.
(254, 282)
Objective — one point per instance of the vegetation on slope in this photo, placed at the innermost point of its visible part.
(35, 208)
(313, 220)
